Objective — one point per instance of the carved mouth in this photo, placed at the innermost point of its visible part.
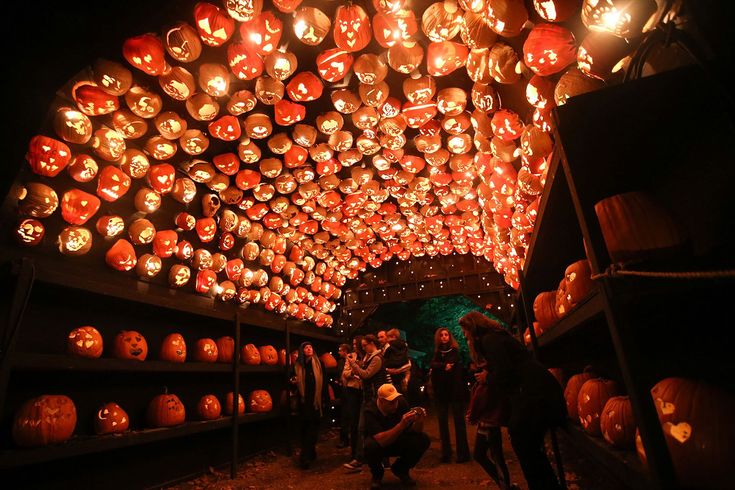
(136, 352)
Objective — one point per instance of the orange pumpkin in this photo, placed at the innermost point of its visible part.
(229, 401)
(130, 344)
(591, 399)
(637, 227)
(209, 408)
(84, 342)
(617, 423)
(205, 351)
(78, 206)
(47, 419)
(250, 355)
(328, 360)
(260, 401)
(111, 419)
(263, 33)
(579, 282)
(304, 87)
(268, 355)
(165, 411)
(112, 183)
(225, 349)
(244, 61)
(333, 64)
(544, 309)
(571, 392)
(549, 49)
(215, 26)
(173, 348)
(145, 53)
(556, 10)
(29, 232)
(351, 27)
(282, 354)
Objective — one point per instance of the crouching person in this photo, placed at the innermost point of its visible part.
(393, 429)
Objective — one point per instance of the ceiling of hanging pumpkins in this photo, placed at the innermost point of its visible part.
(267, 152)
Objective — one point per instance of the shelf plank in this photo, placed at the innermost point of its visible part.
(579, 317)
(50, 362)
(81, 445)
(623, 465)
(305, 330)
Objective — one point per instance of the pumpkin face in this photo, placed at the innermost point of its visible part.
(111, 419)
(130, 344)
(48, 419)
(695, 419)
(544, 309)
(206, 351)
(165, 411)
(229, 401)
(617, 423)
(592, 397)
(351, 28)
(78, 206)
(549, 49)
(173, 348)
(209, 408)
(250, 355)
(578, 281)
(571, 392)
(328, 360)
(260, 401)
(84, 342)
(268, 355)
(225, 349)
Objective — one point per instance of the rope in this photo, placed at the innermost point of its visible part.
(616, 270)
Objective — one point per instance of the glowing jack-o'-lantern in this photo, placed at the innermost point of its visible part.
(549, 49)
(505, 67)
(475, 32)
(78, 206)
(37, 200)
(209, 408)
(131, 345)
(260, 401)
(29, 232)
(244, 61)
(506, 17)
(333, 64)
(230, 402)
(444, 57)
(112, 77)
(507, 125)
(406, 56)
(173, 348)
(263, 33)
(182, 43)
(205, 281)
(556, 10)
(74, 240)
(311, 25)
(441, 21)
(178, 275)
(622, 18)
(83, 168)
(121, 256)
(145, 53)
(84, 342)
(243, 10)
(280, 64)
(288, 113)
(47, 419)
(351, 28)
(394, 28)
(205, 351)
(47, 156)
(148, 266)
(305, 86)
(214, 25)
(112, 183)
(268, 355)
(250, 355)
(540, 92)
(574, 82)
(177, 83)
(72, 126)
(617, 423)
(165, 411)
(111, 419)
(591, 399)
(601, 54)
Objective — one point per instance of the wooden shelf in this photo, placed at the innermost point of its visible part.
(623, 465)
(50, 362)
(305, 330)
(94, 444)
(582, 315)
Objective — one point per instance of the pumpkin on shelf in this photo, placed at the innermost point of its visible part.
(209, 408)
(696, 421)
(328, 360)
(173, 348)
(260, 401)
(571, 392)
(47, 419)
(165, 411)
(205, 351)
(229, 400)
(636, 227)
(579, 282)
(225, 349)
(250, 355)
(111, 419)
(84, 342)
(130, 344)
(591, 400)
(544, 309)
(282, 356)
(268, 355)
(617, 423)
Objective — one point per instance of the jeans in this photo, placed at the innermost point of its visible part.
(409, 447)
(350, 417)
(528, 444)
(458, 412)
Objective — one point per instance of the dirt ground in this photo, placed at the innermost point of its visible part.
(276, 470)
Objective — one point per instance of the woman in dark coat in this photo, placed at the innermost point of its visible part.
(535, 397)
(450, 392)
(310, 383)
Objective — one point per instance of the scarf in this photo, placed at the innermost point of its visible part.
(301, 380)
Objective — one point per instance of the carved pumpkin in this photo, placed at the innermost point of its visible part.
(623, 18)
(260, 401)
(571, 393)
(209, 408)
(591, 399)
(75, 240)
(205, 351)
(328, 360)
(130, 344)
(578, 281)
(145, 53)
(173, 348)
(29, 232)
(165, 411)
(549, 49)
(444, 57)
(182, 43)
(250, 355)
(214, 25)
(311, 25)
(263, 33)
(506, 17)
(696, 421)
(84, 342)
(112, 183)
(304, 87)
(121, 256)
(37, 200)
(225, 349)
(351, 27)
(47, 419)
(573, 83)
(47, 156)
(244, 61)
(600, 54)
(268, 355)
(111, 419)
(229, 402)
(637, 227)
(617, 423)
(544, 309)
(556, 10)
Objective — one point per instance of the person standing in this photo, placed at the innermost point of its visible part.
(395, 359)
(536, 402)
(351, 401)
(310, 383)
(382, 337)
(450, 393)
(392, 429)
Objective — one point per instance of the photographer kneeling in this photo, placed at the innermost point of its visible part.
(393, 429)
